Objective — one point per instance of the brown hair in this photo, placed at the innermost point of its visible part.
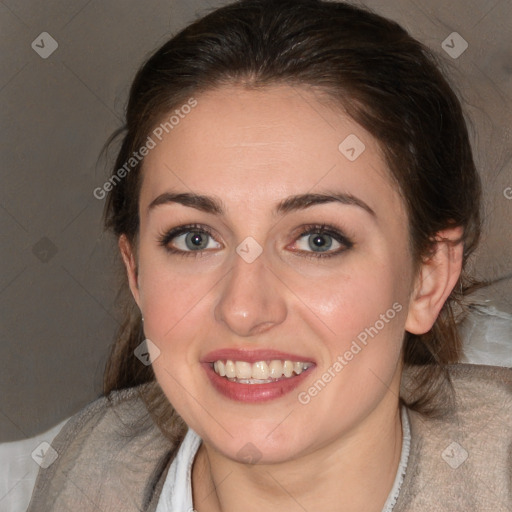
(380, 76)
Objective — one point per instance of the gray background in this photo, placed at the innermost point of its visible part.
(59, 271)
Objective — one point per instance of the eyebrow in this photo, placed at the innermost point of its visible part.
(199, 202)
(214, 206)
(303, 201)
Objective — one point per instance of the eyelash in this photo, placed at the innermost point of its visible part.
(165, 238)
(317, 229)
(324, 229)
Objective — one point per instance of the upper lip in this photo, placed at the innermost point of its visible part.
(252, 355)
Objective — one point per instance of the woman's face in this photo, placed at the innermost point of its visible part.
(299, 251)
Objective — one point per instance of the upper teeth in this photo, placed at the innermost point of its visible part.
(261, 370)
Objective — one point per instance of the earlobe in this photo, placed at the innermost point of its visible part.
(130, 264)
(435, 281)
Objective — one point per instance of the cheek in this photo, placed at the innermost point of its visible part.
(359, 317)
(175, 307)
(172, 301)
(360, 330)
(348, 302)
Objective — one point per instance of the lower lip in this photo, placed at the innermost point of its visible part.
(254, 392)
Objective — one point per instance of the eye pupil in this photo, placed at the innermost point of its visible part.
(196, 240)
(320, 241)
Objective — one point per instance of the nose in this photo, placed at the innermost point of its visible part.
(252, 299)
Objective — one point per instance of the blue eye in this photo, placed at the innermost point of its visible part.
(186, 239)
(321, 241)
(194, 241)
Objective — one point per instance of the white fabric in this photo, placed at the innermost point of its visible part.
(487, 335)
(402, 467)
(177, 490)
(18, 470)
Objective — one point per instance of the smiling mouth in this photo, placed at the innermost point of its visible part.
(260, 372)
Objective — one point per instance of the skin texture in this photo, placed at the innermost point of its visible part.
(251, 149)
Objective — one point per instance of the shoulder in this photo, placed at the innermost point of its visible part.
(487, 389)
(497, 377)
(482, 406)
(482, 412)
(462, 460)
(109, 456)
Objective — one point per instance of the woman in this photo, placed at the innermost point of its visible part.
(295, 202)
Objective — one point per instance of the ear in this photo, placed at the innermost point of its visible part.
(435, 280)
(130, 264)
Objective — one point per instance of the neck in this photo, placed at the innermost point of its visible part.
(354, 473)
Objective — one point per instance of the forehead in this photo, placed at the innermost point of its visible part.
(255, 147)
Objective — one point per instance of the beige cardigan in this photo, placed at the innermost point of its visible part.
(113, 458)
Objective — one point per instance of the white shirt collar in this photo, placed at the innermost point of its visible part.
(176, 493)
